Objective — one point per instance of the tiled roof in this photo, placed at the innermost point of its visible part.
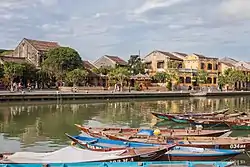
(88, 65)
(203, 57)
(228, 64)
(228, 60)
(182, 54)
(117, 59)
(13, 59)
(170, 55)
(42, 45)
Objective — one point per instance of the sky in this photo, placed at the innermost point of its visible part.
(215, 28)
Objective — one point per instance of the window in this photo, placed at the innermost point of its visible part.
(148, 66)
(215, 66)
(180, 65)
(209, 80)
(188, 79)
(160, 64)
(202, 66)
(215, 80)
(209, 66)
(181, 79)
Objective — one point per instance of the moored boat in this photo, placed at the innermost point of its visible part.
(234, 143)
(191, 114)
(98, 132)
(177, 153)
(132, 164)
(213, 120)
(69, 155)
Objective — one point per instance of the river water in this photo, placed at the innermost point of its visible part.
(40, 126)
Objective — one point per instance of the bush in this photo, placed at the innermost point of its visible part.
(169, 86)
(137, 87)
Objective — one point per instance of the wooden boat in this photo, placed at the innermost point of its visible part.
(234, 143)
(232, 122)
(239, 125)
(166, 116)
(132, 164)
(177, 153)
(217, 119)
(97, 132)
(69, 155)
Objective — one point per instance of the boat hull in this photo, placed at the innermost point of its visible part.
(195, 158)
(127, 164)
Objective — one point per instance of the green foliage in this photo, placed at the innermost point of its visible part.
(76, 76)
(162, 77)
(5, 52)
(137, 87)
(136, 65)
(29, 71)
(201, 77)
(61, 60)
(230, 76)
(103, 70)
(119, 74)
(169, 85)
(12, 70)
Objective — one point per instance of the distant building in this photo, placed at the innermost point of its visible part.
(109, 61)
(160, 61)
(194, 63)
(31, 51)
(226, 63)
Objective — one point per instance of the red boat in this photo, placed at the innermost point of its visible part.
(174, 154)
(98, 132)
(234, 143)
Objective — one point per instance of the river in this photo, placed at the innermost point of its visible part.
(40, 126)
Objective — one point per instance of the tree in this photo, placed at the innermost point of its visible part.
(103, 70)
(61, 60)
(136, 65)
(29, 71)
(119, 74)
(201, 77)
(162, 77)
(12, 70)
(76, 76)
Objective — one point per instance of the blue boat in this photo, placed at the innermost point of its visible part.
(178, 153)
(126, 164)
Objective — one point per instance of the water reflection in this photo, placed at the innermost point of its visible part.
(40, 126)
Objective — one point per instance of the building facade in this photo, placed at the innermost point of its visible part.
(194, 65)
(160, 61)
(33, 51)
(110, 61)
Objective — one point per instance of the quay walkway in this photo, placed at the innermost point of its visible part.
(42, 95)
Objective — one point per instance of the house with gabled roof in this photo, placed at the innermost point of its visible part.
(161, 61)
(109, 61)
(32, 51)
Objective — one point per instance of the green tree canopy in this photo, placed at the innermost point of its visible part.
(136, 65)
(12, 70)
(162, 77)
(61, 60)
(76, 76)
(201, 77)
(103, 70)
(119, 74)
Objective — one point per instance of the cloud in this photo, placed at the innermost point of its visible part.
(154, 4)
(94, 28)
(235, 9)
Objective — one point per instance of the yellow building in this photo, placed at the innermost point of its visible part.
(194, 63)
(160, 61)
(226, 63)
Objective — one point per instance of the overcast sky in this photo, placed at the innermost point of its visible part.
(216, 28)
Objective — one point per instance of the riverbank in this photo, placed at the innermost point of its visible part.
(57, 95)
